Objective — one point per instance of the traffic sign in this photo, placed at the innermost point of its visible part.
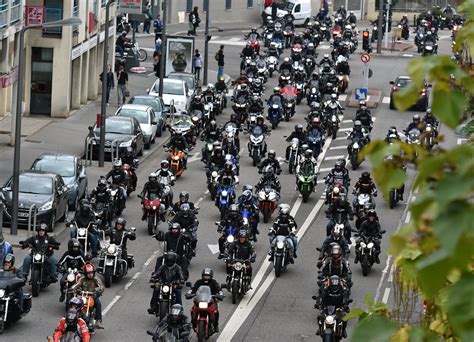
(365, 58)
(361, 94)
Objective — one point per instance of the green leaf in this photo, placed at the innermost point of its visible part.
(448, 106)
(356, 312)
(452, 186)
(460, 307)
(432, 272)
(429, 167)
(407, 97)
(374, 329)
(420, 334)
(369, 300)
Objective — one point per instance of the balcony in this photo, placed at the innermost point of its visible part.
(15, 12)
(75, 13)
(3, 15)
(53, 14)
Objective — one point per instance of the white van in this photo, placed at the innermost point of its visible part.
(300, 9)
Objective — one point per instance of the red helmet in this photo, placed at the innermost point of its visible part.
(88, 268)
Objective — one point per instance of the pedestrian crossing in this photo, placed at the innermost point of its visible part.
(241, 41)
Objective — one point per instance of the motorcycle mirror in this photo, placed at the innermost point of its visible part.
(139, 196)
(383, 232)
(217, 223)
(350, 301)
(188, 284)
(90, 128)
(356, 235)
(318, 249)
(21, 242)
(133, 229)
(151, 333)
(391, 82)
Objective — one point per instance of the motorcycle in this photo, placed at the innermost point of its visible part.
(366, 253)
(82, 234)
(239, 282)
(290, 95)
(293, 155)
(332, 122)
(429, 139)
(88, 309)
(254, 43)
(268, 37)
(167, 197)
(429, 48)
(393, 197)
(285, 78)
(361, 199)
(309, 65)
(102, 213)
(110, 262)
(313, 95)
(203, 311)
(163, 332)
(330, 324)
(224, 198)
(212, 182)
(325, 32)
(240, 108)
(40, 271)
(167, 297)
(288, 32)
(354, 149)
(229, 233)
(118, 201)
(154, 211)
(176, 159)
(282, 255)
(256, 145)
(72, 277)
(10, 309)
(315, 142)
(130, 170)
(267, 201)
(272, 63)
(305, 181)
(419, 37)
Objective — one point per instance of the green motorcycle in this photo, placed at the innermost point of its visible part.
(305, 179)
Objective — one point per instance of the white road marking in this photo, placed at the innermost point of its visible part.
(461, 141)
(342, 147)
(341, 138)
(196, 156)
(235, 39)
(131, 281)
(321, 181)
(214, 248)
(390, 276)
(386, 295)
(345, 129)
(342, 97)
(386, 100)
(352, 243)
(335, 157)
(214, 37)
(323, 47)
(230, 92)
(325, 169)
(112, 303)
(347, 121)
(407, 55)
(408, 217)
(228, 42)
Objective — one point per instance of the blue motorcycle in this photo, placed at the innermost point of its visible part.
(275, 110)
(315, 141)
(250, 220)
(224, 198)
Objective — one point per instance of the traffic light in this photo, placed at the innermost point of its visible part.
(366, 41)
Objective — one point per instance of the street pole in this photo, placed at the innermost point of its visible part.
(206, 45)
(386, 24)
(380, 27)
(103, 105)
(18, 113)
(163, 47)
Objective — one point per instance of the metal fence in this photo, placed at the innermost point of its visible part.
(75, 13)
(15, 12)
(3, 15)
(417, 5)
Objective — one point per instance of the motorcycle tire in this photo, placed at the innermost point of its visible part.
(365, 265)
(329, 338)
(2, 326)
(201, 331)
(266, 214)
(235, 292)
(334, 132)
(354, 162)
(36, 283)
(290, 168)
(305, 195)
(274, 125)
(278, 265)
(391, 199)
(142, 55)
(163, 310)
(255, 162)
(270, 74)
(151, 225)
(108, 277)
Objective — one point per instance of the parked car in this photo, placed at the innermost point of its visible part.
(158, 107)
(176, 90)
(401, 82)
(187, 77)
(120, 132)
(145, 116)
(46, 190)
(70, 168)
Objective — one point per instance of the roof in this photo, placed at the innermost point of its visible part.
(120, 118)
(151, 97)
(57, 156)
(404, 77)
(35, 173)
(137, 107)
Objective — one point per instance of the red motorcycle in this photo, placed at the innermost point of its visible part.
(154, 211)
(130, 172)
(204, 311)
(255, 45)
(297, 49)
(336, 32)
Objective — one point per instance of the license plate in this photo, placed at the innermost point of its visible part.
(107, 149)
(109, 262)
(23, 214)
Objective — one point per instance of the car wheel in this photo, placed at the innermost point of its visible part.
(140, 153)
(75, 205)
(391, 103)
(159, 132)
(147, 146)
(66, 213)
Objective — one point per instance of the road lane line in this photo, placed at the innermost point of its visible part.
(345, 129)
(342, 147)
(112, 303)
(386, 295)
(325, 169)
(335, 157)
(390, 277)
(386, 100)
(130, 283)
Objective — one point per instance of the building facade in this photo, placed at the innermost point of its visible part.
(62, 64)
(11, 15)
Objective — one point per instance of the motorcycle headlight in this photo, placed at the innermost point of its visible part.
(356, 145)
(37, 257)
(238, 266)
(224, 193)
(294, 146)
(203, 305)
(429, 48)
(363, 245)
(111, 249)
(154, 207)
(370, 245)
(126, 143)
(81, 232)
(175, 158)
(230, 238)
(165, 289)
(46, 206)
(329, 320)
(214, 174)
(280, 244)
(2, 293)
(261, 195)
(195, 119)
(70, 277)
(301, 178)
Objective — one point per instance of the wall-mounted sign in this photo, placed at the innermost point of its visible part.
(179, 54)
(34, 15)
(130, 6)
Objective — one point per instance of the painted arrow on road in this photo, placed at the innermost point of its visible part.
(214, 248)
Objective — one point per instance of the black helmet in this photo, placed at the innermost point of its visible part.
(276, 90)
(207, 275)
(233, 209)
(102, 182)
(271, 154)
(71, 316)
(357, 125)
(365, 175)
(371, 214)
(43, 226)
(165, 164)
(299, 128)
(120, 221)
(170, 259)
(175, 226)
(247, 187)
(176, 312)
(185, 209)
(76, 303)
(184, 194)
(9, 258)
(308, 154)
(233, 118)
(73, 243)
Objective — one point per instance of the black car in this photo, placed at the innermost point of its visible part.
(158, 107)
(47, 191)
(403, 81)
(70, 168)
(120, 132)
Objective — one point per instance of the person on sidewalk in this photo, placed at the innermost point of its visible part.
(5, 247)
(220, 62)
(122, 84)
(148, 18)
(197, 64)
(156, 63)
(110, 82)
(194, 21)
(158, 25)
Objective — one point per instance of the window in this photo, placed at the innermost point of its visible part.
(75, 13)
(298, 8)
(228, 5)
(189, 6)
(249, 3)
(54, 11)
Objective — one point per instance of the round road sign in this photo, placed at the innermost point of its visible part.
(365, 58)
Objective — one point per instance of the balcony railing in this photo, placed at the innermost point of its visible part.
(15, 13)
(53, 14)
(3, 15)
(75, 13)
(103, 3)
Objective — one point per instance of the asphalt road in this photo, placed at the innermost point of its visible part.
(276, 309)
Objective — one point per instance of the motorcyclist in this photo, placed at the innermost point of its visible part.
(234, 120)
(430, 119)
(300, 75)
(342, 11)
(101, 194)
(221, 87)
(340, 207)
(339, 172)
(272, 161)
(41, 241)
(123, 42)
(119, 178)
(404, 21)
(335, 238)
(308, 159)
(73, 258)
(316, 126)
(211, 133)
(273, 51)
(8, 263)
(268, 178)
(183, 198)
(415, 124)
(85, 217)
(358, 133)
(232, 219)
(73, 323)
(351, 18)
(165, 172)
(334, 103)
(326, 60)
(287, 64)
(256, 105)
(151, 189)
(253, 31)
(313, 82)
(242, 249)
(276, 97)
(5, 247)
(217, 160)
(119, 235)
(365, 185)
(336, 265)
(447, 12)
(176, 320)
(242, 79)
(169, 272)
(90, 282)
(284, 225)
(247, 51)
(430, 37)
(310, 51)
(248, 201)
(197, 104)
(187, 220)
(332, 77)
(264, 128)
(299, 134)
(207, 279)
(392, 135)
(227, 175)
(297, 39)
(175, 241)
(178, 141)
(230, 148)
(364, 115)
(370, 228)
(130, 158)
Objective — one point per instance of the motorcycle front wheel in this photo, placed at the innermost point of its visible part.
(142, 55)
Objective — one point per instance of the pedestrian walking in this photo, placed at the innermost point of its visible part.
(197, 64)
(158, 46)
(158, 25)
(220, 62)
(122, 85)
(110, 82)
(194, 21)
(156, 63)
(148, 18)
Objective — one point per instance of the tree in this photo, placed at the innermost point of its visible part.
(433, 253)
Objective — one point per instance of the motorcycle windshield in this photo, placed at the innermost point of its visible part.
(306, 170)
(253, 36)
(414, 134)
(257, 131)
(203, 294)
(288, 93)
(10, 282)
(152, 196)
(230, 127)
(314, 135)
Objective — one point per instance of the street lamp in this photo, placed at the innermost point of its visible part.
(16, 157)
(103, 103)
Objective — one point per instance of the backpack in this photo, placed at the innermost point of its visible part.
(217, 56)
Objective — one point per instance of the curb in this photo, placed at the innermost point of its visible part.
(371, 103)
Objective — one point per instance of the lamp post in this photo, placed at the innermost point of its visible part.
(163, 46)
(16, 157)
(103, 105)
(206, 45)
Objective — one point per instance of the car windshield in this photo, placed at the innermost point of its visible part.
(286, 6)
(173, 88)
(117, 126)
(155, 104)
(403, 82)
(64, 168)
(36, 185)
(189, 79)
(140, 115)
